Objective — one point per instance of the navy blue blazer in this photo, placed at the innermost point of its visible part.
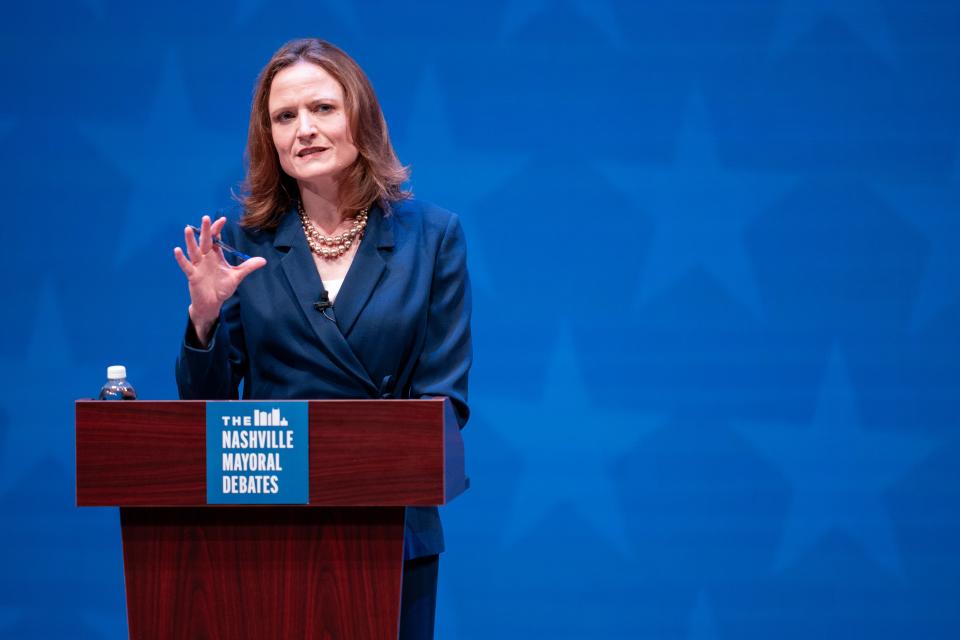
(400, 328)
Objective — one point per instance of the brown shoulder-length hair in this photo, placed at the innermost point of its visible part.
(376, 175)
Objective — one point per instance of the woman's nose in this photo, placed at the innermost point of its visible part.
(306, 126)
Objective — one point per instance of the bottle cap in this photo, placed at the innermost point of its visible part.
(116, 372)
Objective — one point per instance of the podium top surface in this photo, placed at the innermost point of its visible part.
(374, 452)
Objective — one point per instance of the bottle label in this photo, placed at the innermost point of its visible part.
(257, 453)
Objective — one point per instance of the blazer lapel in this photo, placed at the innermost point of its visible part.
(301, 273)
(366, 270)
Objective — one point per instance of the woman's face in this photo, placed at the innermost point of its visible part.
(309, 125)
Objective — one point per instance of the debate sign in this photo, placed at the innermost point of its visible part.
(257, 453)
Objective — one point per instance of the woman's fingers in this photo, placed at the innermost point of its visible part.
(191, 241)
(215, 230)
(247, 267)
(206, 237)
(208, 231)
(185, 265)
(196, 251)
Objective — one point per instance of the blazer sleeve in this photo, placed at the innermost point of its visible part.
(213, 372)
(444, 363)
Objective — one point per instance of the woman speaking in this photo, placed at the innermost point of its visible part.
(353, 290)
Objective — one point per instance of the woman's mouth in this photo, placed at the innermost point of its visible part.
(310, 151)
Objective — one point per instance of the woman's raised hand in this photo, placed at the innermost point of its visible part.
(211, 279)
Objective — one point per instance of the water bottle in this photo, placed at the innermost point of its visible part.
(117, 387)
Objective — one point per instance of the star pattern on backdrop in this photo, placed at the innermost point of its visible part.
(169, 159)
(700, 210)
(449, 175)
(866, 19)
(568, 445)
(40, 624)
(839, 472)
(96, 8)
(39, 395)
(50, 534)
(345, 12)
(600, 13)
(7, 616)
(446, 623)
(774, 59)
(106, 623)
(935, 210)
(703, 622)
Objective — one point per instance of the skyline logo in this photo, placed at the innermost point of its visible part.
(257, 452)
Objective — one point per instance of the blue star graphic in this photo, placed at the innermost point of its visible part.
(865, 18)
(453, 177)
(40, 391)
(7, 616)
(703, 623)
(446, 622)
(345, 12)
(108, 624)
(568, 445)
(96, 7)
(839, 472)
(39, 623)
(700, 210)
(601, 13)
(51, 534)
(935, 209)
(174, 165)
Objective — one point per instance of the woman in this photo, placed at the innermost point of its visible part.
(354, 290)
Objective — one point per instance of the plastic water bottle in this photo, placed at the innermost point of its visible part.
(117, 387)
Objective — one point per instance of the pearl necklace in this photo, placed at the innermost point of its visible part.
(332, 247)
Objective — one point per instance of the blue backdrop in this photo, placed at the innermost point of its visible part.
(716, 399)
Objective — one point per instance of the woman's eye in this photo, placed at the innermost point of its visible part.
(286, 116)
(324, 108)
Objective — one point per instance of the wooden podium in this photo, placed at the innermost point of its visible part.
(331, 569)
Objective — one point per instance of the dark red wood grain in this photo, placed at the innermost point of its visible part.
(141, 453)
(232, 573)
(455, 480)
(396, 444)
(330, 570)
(362, 453)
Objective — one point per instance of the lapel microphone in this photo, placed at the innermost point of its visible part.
(323, 304)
